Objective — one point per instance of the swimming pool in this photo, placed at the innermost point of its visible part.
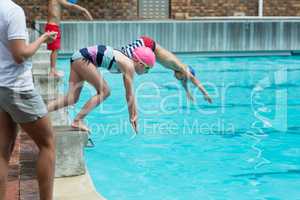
(246, 145)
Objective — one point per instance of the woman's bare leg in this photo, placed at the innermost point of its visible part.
(42, 134)
(8, 133)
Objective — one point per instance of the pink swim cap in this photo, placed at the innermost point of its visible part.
(145, 55)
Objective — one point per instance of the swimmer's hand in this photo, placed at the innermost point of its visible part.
(133, 122)
(49, 36)
(190, 97)
(207, 98)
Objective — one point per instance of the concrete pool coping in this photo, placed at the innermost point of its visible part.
(75, 188)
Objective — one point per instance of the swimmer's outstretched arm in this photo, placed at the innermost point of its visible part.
(128, 83)
(170, 61)
(199, 85)
(75, 7)
(188, 93)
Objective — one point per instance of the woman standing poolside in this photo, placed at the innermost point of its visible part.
(19, 102)
(84, 64)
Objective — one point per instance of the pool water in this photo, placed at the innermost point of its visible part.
(246, 145)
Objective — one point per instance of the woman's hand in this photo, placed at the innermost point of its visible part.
(49, 36)
(21, 51)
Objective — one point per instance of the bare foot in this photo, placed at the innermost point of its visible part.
(79, 124)
(56, 74)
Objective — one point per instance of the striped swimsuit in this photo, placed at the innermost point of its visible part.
(143, 41)
(100, 56)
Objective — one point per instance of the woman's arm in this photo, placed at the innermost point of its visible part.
(22, 51)
(128, 83)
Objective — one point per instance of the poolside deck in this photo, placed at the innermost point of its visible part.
(22, 183)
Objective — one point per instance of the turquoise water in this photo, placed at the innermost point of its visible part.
(246, 145)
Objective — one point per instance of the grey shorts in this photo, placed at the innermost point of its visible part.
(23, 107)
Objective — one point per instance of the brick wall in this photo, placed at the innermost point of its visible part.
(34, 9)
(202, 8)
(100, 9)
(128, 9)
(180, 8)
(223, 8)
(282, 8)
